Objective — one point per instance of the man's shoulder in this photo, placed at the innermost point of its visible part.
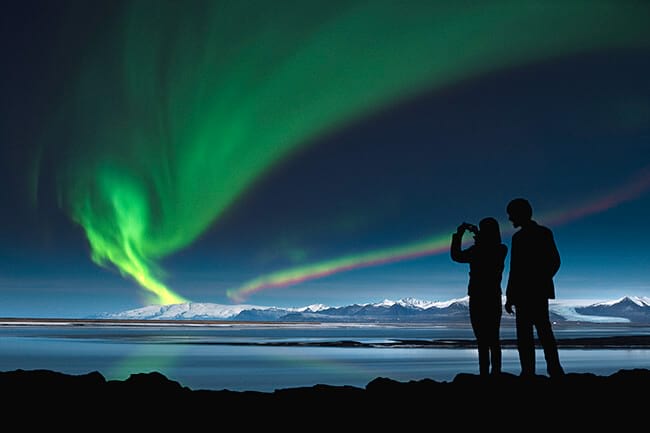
(532, 231)
(540, 228)
(547, 232)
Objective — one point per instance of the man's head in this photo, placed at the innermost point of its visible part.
(519, 211)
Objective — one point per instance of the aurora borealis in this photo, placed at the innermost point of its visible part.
(271, 144)
(630, 191)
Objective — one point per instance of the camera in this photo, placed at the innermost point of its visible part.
(470, 227)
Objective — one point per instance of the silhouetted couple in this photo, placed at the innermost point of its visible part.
(534, 261)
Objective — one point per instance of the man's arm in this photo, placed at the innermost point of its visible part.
(553, 255)
(510, 288)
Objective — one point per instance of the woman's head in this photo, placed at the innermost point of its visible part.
(489, 232)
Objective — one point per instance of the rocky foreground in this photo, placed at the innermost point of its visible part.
(51, 399)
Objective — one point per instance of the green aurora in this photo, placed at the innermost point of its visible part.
(179, 107)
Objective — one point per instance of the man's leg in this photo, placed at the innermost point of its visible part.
(525, 340)
(547, 340)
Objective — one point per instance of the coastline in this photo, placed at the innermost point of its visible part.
(628, 341)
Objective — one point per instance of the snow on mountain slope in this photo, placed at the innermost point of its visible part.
(641, 301)
(623, 310)
(190, 310)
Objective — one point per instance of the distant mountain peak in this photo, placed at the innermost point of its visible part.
(384, 303)
(314, 308)
(415, 303)
(627, 309)
(641, 301)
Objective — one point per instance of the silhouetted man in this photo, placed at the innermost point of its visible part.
(534, 261)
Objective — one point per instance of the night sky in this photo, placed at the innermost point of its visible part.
(291, 153)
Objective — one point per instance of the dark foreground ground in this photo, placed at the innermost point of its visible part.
(47, 399)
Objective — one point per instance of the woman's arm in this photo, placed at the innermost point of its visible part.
(457, 254)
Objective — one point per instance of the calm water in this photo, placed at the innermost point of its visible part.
(214, 357)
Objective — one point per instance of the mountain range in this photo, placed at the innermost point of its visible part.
(629, 309)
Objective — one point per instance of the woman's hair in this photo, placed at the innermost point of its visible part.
(489, 232)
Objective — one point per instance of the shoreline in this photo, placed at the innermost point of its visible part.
(632, 340)
(61, 321)
(612, 342)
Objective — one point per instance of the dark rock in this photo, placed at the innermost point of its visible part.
(150, 399)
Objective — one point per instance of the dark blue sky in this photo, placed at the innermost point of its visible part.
(565, 132)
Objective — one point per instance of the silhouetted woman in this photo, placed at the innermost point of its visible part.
(486, 260)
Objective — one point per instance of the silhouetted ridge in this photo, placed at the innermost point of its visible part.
(576, 399)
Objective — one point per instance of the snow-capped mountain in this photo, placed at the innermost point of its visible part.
(624, 310)
(636, 309)
(189, 310)
(385, 310)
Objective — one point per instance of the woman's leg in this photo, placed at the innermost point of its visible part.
(477, 319)
(495, 339)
